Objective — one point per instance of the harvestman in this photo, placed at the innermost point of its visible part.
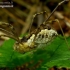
(35, 37)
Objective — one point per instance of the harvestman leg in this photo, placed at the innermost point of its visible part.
(34, 18)
(56, 20)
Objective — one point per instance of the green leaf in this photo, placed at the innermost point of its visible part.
(56, 53)
(59, 54)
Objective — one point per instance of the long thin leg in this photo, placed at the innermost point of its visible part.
(33, 19)
(10, 32)
(55, 9)
(56, 20)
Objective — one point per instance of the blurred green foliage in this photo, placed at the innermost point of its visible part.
(56, 53)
